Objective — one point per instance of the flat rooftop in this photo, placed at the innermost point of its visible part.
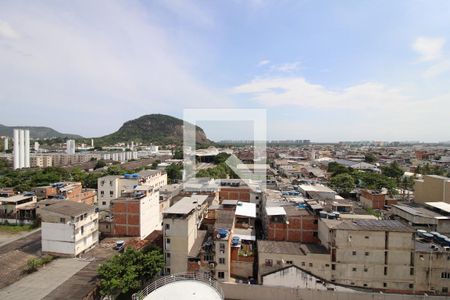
(246, 209)
(369, 225)
(442, 206)
(15, 198)
(186, 290)
(279, 247)
(186, 204)
(68, 208)
(418, 211)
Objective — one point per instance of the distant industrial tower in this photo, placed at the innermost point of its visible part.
(92, 143)
(70, 147)
(21, 148)
(36, 146)
(6, 144)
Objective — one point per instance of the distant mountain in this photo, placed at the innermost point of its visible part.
(37, 132)
(154, 128)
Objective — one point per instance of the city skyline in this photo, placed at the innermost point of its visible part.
(324, 71)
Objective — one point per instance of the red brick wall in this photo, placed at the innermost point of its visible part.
(299, 229)
(241, 194)
(126, 218)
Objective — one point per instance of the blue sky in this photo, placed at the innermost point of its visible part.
(324, 70)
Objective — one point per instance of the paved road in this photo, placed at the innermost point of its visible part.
(14, 256)
(39, 284)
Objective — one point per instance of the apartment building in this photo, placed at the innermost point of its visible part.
(136, 213)
(432, 188)
(111, 187)
(181, 223)
(68, 228)
(377, 254)
(41, 161)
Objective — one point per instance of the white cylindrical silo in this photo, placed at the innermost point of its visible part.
(27, 149)
(16, 149)
(21, 148)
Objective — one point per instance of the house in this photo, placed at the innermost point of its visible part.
(18, 209)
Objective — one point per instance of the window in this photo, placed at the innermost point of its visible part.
(411, 286)
(289, 262)
(366, 253)
(102, 193)
(82, 229)
(62, 220)
(411, 271)
(103, 202)
(365, 269)
(221, 275)
(111, 193)
(222, 260)
(365, 284)
(310, 264)
(354, 269)
(167, 255)
(167, 270)
(315, 222)
(167, 241)
(366, 237)
(384, 284)
(303, 263)
(222, 246)
(445, 275)
(354, 253)
(167, 226)
(445, 290)
(333, 267)
(315, 234)
(81, 218)
(268, 263)
(385, 270)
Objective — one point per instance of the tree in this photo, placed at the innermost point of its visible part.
(174, 172)
(370, 158)
(393, 170)
(126, 272)
(343, 184)
(155, 164)
(100, 164)
(336, 169)
(178, 154)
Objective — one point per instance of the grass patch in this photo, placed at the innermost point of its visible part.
(35, 263)
(15, 228)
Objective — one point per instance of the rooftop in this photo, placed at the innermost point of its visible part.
(418, 211)
(186, 204)
(68, 208)
(279, 247)
(15, 198)
(225, 219)
(369, 225)
(442, 206)
(246, 209)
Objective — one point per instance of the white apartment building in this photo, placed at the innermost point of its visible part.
(69, 228)
(112, 187)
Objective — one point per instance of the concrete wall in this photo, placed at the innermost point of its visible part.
(259, 292)
(432, 189)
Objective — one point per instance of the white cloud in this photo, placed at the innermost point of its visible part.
(429, 48)
(297, 91)
(263, 62)
(437, 69)
(7, 32)
(287, 67)
(369, 110)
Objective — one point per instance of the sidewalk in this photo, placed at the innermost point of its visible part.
(39, 284)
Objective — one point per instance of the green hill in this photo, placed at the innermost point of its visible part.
(37, 132)
(154, 128)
